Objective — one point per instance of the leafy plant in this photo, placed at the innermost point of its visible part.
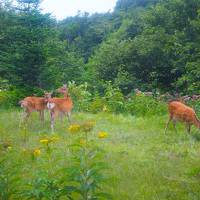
(145, 105)
(114, 98)
(80, 95)
(43, 187)
(9, 178)
(85, 175)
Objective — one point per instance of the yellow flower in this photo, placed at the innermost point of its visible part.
(82, 142)
(102, 135)
(54, 139)
(88, 126)
(74, 128)
(36, 152)
(44, 141)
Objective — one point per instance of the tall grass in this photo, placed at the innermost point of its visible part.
(143, 162)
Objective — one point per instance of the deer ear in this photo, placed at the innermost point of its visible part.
(65, 85)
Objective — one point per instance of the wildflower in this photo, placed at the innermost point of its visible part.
(88, 126)
(74, 128)
(82, 142)
(102, 135)
(36, 152)
(54, 139)
(44, 141)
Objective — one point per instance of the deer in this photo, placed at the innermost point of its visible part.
(33, 103)
(178, 111)
(60, 105)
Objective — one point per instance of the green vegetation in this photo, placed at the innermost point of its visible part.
(150, 45)
(138, 163)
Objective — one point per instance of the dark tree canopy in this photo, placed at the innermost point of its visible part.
(149, 44)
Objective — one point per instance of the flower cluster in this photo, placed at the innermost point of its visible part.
(74, 128)
(88, 126)
(102, 134)
(46, 141)
(36, 152)
(83, 142)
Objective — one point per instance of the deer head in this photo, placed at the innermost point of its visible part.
(63, 90)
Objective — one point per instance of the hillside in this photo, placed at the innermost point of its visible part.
(150, 45)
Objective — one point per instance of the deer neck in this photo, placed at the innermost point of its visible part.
(65, 95)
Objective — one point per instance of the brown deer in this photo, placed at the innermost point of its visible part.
(59, 105)
(180, 112)
(33, 103)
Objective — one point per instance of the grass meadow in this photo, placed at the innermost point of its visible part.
(143, 163)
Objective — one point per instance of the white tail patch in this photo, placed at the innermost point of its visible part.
(23, 104)
(50, 105)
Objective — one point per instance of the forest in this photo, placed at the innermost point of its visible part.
(152, 45)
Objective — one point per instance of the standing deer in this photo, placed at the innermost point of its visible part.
(180, 112)
(59, 105)
(33, 103)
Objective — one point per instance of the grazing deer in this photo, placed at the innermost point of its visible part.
(180, 112)
(33, 103)
(59, 105)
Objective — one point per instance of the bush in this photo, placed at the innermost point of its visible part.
(115, 99)
(145, 106)
(80, 96)
(98, 103)
(11, 96)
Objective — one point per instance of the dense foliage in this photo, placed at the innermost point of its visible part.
(147, 44)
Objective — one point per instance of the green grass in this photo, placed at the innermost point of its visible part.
(144, 163)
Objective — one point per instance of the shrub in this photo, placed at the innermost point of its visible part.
(80, 95)
(115, 99)
(10, 98)
(145, 106)
(97, 104)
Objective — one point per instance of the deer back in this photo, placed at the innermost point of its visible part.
(181, 112)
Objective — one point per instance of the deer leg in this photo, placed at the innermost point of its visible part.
(61, 115)
(26, 115)
(174, 124)
(41, 115)
(69, 116)
(52, 120)
(168, 124)
(188, 127)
